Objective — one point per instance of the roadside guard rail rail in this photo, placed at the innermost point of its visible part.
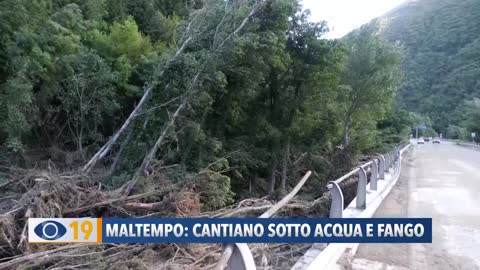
(239, 257)
(377, 169)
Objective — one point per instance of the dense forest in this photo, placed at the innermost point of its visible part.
(236, 96)
(154, 108)
(161, 108)
(442, 63)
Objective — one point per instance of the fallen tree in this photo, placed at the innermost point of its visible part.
(33, 193)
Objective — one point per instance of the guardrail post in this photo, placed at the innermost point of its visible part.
(336, 209)
(362, 189)
(241, 258)
(381, 170)
(374, 176)
(387, 163)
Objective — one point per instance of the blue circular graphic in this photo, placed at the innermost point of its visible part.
(50, 230)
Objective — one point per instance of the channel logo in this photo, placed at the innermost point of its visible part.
(50, 230)
(64, 230)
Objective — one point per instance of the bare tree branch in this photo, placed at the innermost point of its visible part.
(228, 250)
(142, 170)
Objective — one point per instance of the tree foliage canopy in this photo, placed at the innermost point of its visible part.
(236, 96)
(442, 62)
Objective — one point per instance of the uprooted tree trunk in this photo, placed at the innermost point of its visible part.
(283, 181)
(143, 169)
(347, 125)
(228, 249)
(118, 156)
(273, 177)
(346, 132)
(106, 148)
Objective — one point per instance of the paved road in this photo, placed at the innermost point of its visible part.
(442, 182)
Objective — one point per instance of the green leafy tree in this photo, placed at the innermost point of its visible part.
(472, 121)
(15, 105)
(441, 67)
(370, 78)
(457, 133)
(233, 97)
(88, 99)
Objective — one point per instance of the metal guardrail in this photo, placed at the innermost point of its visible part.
(239, 257)
(328, 257)
(377, 168)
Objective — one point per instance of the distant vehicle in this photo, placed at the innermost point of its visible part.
(420, 141)
(426, 139)
(436, 140)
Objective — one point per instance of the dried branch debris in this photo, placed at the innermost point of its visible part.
(34, 193)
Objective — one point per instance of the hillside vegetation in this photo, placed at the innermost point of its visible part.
(442, 62)
(236, 96)
(155, 108)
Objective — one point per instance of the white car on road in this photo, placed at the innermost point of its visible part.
(420, 141)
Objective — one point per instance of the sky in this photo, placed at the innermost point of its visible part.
(345, 15)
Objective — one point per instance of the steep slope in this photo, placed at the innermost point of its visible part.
(442, 63)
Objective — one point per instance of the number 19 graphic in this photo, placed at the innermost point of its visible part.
(86, 228)
(64, 230)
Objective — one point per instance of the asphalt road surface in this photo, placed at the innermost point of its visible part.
(441, 181)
